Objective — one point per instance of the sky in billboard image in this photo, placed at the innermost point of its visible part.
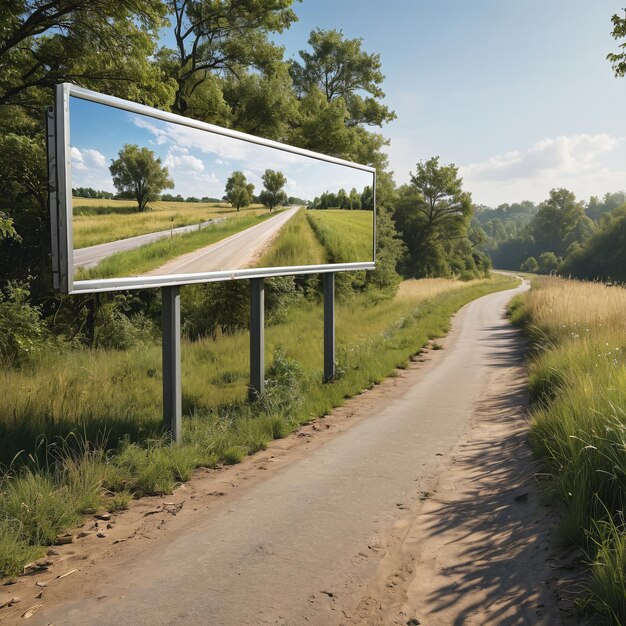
(222, 203)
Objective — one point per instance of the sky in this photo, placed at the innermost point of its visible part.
(518, 95)
(198, 162)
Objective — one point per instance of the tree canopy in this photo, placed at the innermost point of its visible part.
(273, 194)
(618, 59)
(238, 190)
(137, 173)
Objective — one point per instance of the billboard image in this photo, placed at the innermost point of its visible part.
(150, 198)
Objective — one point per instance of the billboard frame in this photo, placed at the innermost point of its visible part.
(61, 214)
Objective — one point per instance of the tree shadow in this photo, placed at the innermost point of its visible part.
(509, 545)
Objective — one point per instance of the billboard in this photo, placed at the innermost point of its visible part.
(145, 198)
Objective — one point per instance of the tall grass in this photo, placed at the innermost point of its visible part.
(348, 236)
(578, 387)
(111, 400)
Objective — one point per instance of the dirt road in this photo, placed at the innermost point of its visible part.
(92, 255)
(320, 535)
(235, 252)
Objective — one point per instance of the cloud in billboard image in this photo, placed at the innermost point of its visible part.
(157, 198)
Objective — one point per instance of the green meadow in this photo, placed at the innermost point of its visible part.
(348, 236)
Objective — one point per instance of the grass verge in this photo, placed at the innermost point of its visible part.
(296, 244)
(577, 382)
(152, 255)
(118, 394)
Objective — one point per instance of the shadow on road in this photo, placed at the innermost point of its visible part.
(503, 536)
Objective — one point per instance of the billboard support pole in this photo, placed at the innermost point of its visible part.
(257, 338)
(172, 395)
(329, 327)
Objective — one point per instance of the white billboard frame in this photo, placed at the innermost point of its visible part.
(61, 215)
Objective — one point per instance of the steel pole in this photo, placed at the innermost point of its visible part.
(257, 338)
(329, 327)
(172, 400)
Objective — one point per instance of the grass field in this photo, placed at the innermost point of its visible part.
(346, 235)
(152, 255)
(100, 221)
(296, 244)
(106, 397)
(578, 388)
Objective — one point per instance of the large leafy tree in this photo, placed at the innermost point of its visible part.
(618, 59)
(222, 37)
(559, 222)
(138, 174)
(238, 190)
(433, 214)
(273, 195)
(104, 44)
(340, 68)
(262, 104)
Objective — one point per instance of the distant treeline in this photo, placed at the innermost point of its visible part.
(560, 235)
(345, 200)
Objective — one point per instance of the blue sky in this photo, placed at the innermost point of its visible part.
(198, 162)
(519, 95)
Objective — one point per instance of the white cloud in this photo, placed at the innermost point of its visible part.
(179, 158)
(94, 158)
(90, 169)
(584, 163)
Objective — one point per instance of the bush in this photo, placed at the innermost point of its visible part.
(22, 330)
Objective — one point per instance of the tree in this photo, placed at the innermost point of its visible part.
(238, 190)
(557, 220)
(367, 198)
(618, 59)
(432, 213)
(138, 174)
(221, 36)
(273, 194)
(340, 68)
(104, 44)
(530, 265)
(343, 200)
(355, 199)
(548, 262)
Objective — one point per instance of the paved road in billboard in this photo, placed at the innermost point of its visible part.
(235, 252)
(90, 257)
(303, 540)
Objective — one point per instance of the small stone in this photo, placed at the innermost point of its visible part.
(104, 516)
(41, 583)
(89, 511)
(84, 533)
(64, 539)
(14, 600)
(109, 525)
(101, 534)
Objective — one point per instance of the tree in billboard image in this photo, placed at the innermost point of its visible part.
(137, 173)
(239, 191)
(273, 194)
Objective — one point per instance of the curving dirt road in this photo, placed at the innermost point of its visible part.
(311, 538)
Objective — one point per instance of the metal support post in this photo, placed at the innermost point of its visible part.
(172, 401)
(329, 327)
(257, 338)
